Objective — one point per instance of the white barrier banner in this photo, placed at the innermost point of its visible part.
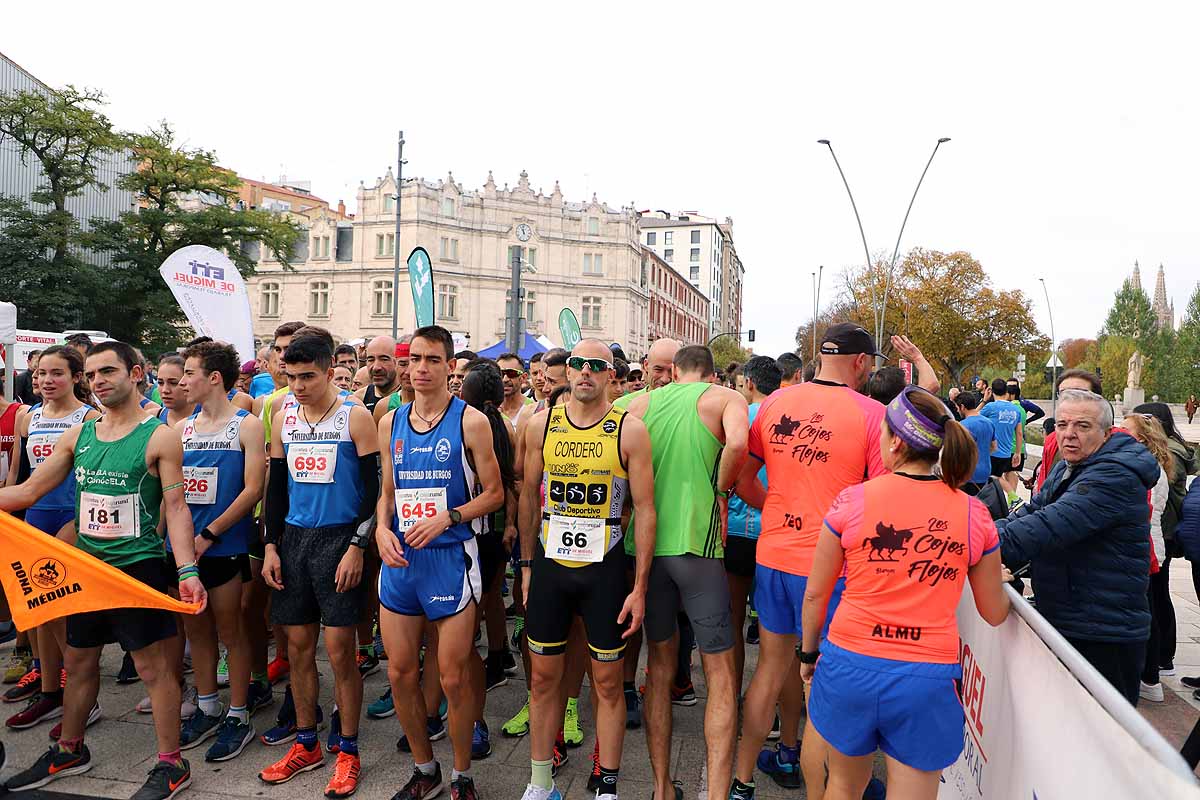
(1033, 731)
(210, 290)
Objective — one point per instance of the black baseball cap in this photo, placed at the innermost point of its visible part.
(848, 339)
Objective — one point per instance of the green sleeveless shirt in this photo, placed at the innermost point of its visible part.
(685, 455)
(117, 500)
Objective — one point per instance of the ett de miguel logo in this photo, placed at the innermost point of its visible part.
(205, 276)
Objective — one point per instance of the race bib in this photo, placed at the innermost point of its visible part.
(575, 539)
(200, 485)
(414, 505)
(39, 447)
(312, 463)
(103, 516)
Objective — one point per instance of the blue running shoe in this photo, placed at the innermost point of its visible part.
(532, 791)
(196, 729)
(434, 727)
(481, 741)
(782, 764)
(334, 743)
(443, 710)
(232, 738)
(382, 708)
(741, 791)
(260, 696)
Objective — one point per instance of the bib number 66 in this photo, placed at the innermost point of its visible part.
(576, 539)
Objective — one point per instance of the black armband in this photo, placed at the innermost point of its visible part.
(368, 477)
(26, 469)
(275, 508)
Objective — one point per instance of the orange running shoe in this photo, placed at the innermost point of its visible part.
(298, 759)
(277, 670)
(345, 776)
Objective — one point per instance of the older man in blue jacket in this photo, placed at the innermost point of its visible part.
(1086, 537)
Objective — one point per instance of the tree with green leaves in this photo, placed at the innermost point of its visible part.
(69, 138)
(185, 199)
(726, 349)
(1131, 315)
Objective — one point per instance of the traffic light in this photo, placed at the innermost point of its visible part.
(750, 335)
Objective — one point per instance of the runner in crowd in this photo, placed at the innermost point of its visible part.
(64, 405)
(573, 523)
(791, 368)
(381, 363)
(536, 372)
(983, 432)
(224, 467)
(874, 686)
(1008, 417)
(343, 378)
(442, 479)
(515, 405)
(127, 466)
(698, 432)
(815, 439)
(462, 362)
(177, 406)
(616, 387)
(346, 356)
(634, 381)
(323, 482)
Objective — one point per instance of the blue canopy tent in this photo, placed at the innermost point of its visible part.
(530, 346)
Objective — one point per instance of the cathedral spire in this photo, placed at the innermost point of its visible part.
(1163, 310)
(1136, 278)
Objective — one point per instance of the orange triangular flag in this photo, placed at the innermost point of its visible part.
(45, 578)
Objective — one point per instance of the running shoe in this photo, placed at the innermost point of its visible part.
(773, 734)
(633, 709)
(1191, 682)
(741, 791)
(537, 793)
(1151, 691)
(752, 631)
(197, 729)
(561, 757)
(298, 759)
(128, 672)
(383, 707)
(278, 669)
(683, 696)
(258, 697)
(444, 710)
(284, 730)
(188, 702)
(572, 735)
(594, 785)
(40, 708)
(232, 737)
(519, 724)
(53, 764)
(92, 718)
(782, 764)
(463, 788)
(481, 741)
(29, 685)
(334, 743)
(223, 668)
(368, 664)
(435, 728)
(187, 662)
(1167, 670)
(509, 662)
(421, 786)
(518, 628)
(510, 611)
(19, 663)
(494, 675)
(377, 641)
(165, 781)
(345, 776)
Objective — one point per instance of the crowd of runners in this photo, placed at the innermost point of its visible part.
(380, 502)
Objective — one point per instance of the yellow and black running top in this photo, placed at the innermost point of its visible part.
(584, 487)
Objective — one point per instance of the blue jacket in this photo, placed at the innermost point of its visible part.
(1086, 536)
(1187, 533)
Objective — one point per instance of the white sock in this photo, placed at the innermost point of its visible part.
(428, 768)
(240, 713)
(210, 704)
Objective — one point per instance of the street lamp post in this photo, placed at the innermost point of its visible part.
(396, 263)
(880, 307)
(817, 276)
(1053, 354)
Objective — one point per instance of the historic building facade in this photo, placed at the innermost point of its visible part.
(678, 309)
(580, 255)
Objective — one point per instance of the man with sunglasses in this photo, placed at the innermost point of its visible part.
(512, 369)
(592, 459)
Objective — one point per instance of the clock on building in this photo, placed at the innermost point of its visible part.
(524, 232)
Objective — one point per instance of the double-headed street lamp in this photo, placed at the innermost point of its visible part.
(880, 307)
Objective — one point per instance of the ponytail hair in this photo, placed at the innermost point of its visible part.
(74, 359)
(958, 452)
(483, 389)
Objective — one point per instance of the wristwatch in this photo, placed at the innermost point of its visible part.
(209, 535)
(525, 562)
(455, 516)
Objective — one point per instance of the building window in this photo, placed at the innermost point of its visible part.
(531, 256)
(447, 301)
(695, 255)
(447, 206)
(593, 264)
(320, 247)
(591, 312)
(318, 299)
(270, 299)
(448, 250)
(668, 236)
(594, 226)
(695, 237)
(668, 255)
(381, 304)
(695, 274)
(530, 307)
(389, 203)
(651, 236)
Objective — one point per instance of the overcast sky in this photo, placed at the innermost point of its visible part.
(1075, 125)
